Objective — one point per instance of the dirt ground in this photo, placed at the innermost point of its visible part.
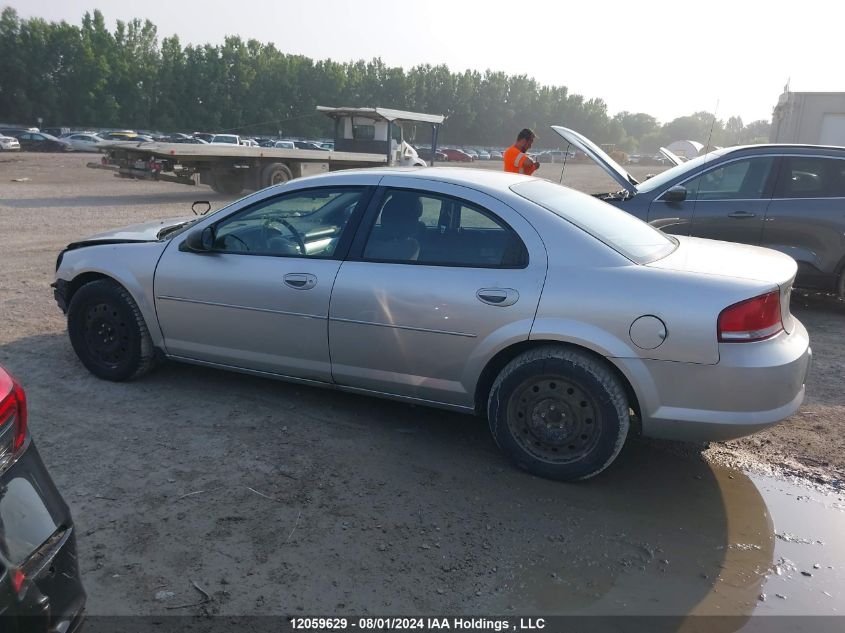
(277, 498)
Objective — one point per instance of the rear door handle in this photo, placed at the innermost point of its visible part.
(498, 296)
(300, 281)
(742, 214)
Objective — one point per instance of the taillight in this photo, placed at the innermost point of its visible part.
(751, 320)
(12, 418)
(18, 578)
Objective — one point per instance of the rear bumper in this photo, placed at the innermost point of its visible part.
(753, 386)
(39, 538)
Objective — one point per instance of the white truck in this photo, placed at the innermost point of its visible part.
(363, 137)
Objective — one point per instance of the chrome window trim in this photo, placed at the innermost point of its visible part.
(813, 198)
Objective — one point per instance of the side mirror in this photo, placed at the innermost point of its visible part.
(200, 241)
(201, 207)
(678, 193)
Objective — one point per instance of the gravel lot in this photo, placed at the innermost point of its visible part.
(279, 499)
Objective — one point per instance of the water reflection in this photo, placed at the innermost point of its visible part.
(657, 535)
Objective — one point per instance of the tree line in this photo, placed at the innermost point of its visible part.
(88, 76)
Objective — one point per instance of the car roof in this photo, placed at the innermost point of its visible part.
(774, 148)
(486, 180)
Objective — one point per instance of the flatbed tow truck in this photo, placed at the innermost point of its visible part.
(363, 137)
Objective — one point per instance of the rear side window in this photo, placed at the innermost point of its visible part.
(811, 177)
(420, 228)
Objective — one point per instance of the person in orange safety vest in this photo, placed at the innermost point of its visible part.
(516, 158)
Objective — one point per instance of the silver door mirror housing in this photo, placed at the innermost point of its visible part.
(200, 241)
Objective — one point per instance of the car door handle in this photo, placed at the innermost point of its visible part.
(498, 296)
(300, 281)
(742, 214)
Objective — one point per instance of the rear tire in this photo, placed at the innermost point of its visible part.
(108, 332)
(228, 184)
(275, 174)
(559, 413)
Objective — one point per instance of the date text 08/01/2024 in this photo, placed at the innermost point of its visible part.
(416, 624)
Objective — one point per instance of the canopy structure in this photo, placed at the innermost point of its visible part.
(385, 119)
(686, 149)
(384, 114)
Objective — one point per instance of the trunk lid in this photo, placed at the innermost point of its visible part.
(614, 169)
(740, 261)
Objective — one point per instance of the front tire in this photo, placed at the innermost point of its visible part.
(559, 413)
(108, 332)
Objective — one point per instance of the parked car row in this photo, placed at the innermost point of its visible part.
(460, 155)
(33, 140)
(554, 156)
(30, 141)
(648, 159)
(465, 155)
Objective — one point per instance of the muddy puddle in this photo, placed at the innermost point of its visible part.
(668, 536)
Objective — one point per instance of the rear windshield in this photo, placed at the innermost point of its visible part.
(621, 231)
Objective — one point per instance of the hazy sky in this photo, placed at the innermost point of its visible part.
(666, 58)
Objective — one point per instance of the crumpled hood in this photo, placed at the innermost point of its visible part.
(145, 232)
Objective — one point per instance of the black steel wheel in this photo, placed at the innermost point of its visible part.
(108, 332)
(554, 419)
(559, 413)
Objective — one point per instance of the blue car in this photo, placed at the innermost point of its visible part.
(790, 198)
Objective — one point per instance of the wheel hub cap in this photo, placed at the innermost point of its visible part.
(554, 419)
(106, 334)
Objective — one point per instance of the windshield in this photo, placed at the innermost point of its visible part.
(169, 233)
(621, 231)
(655, 182)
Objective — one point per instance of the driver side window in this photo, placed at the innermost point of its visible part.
(300, 224)
(741, 179)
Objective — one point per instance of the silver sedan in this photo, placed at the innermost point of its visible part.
(557, 316)
(84, 141)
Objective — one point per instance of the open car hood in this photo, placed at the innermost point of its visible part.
(614, 169)
(672, 157)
